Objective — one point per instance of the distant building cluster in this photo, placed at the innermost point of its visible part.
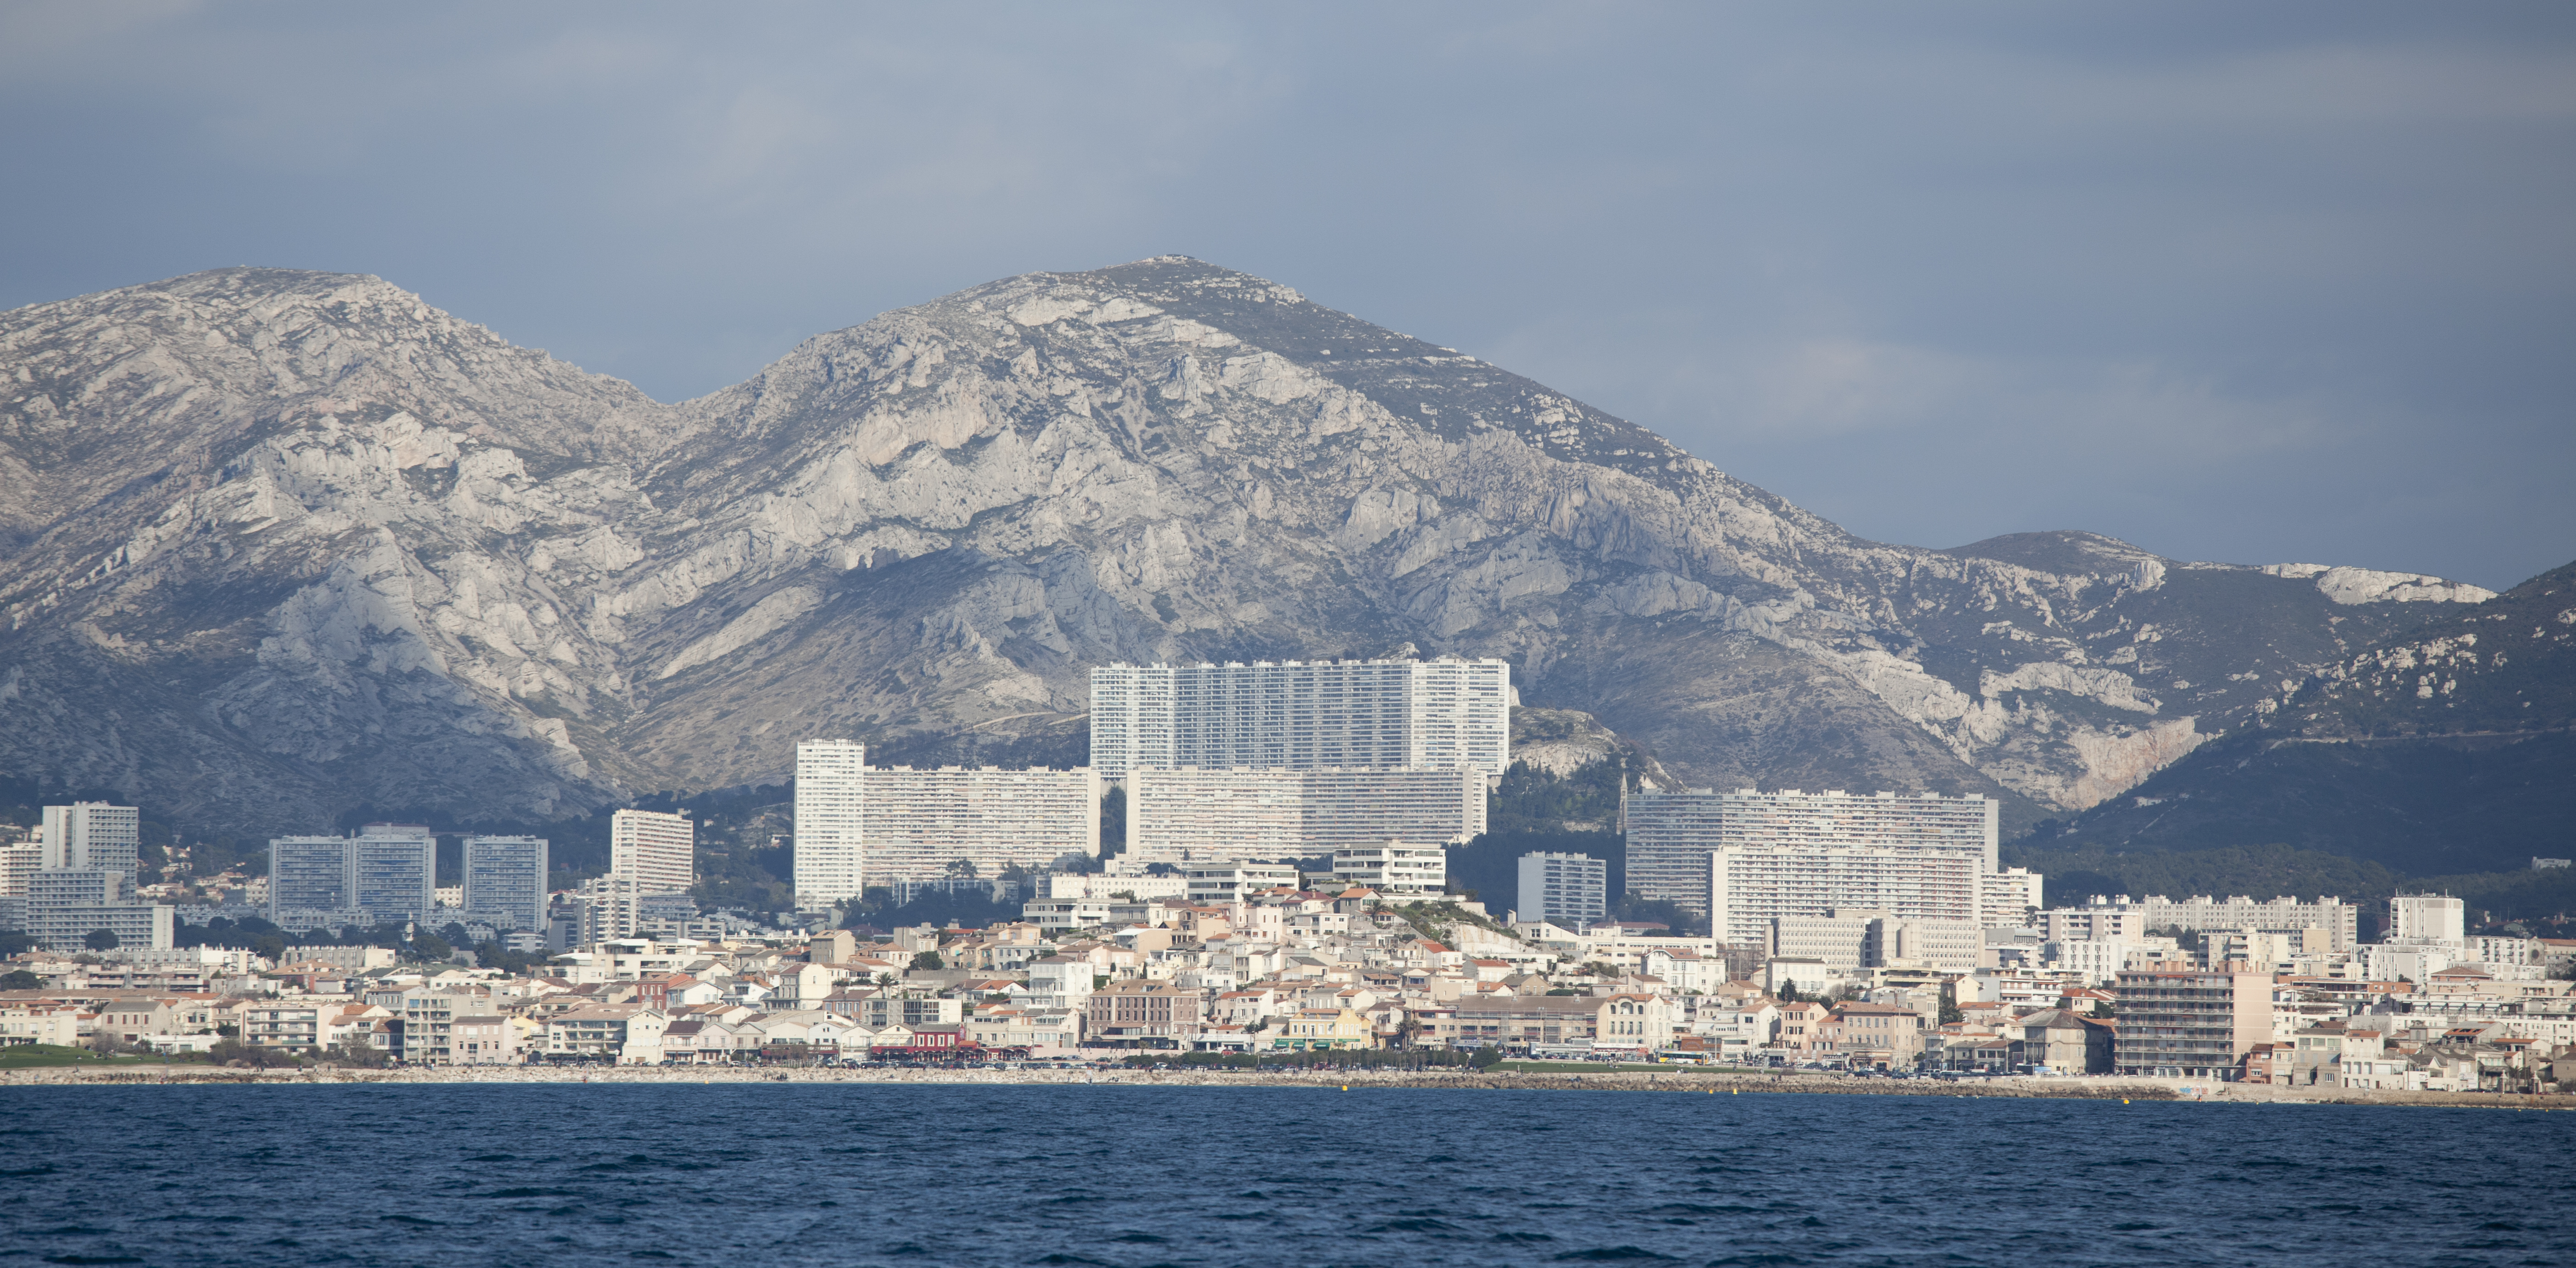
(1285, 888)
(1261, 761)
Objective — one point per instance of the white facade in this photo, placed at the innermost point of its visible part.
(18, 864)
(830, 848)
(307, 874)
(1748, 888)
(388, 872)
(2007, 899)
(1395, 870)
(93, 834)
(657, 851)
(1572, 890)
(916, 823)
(1303, 715)
(1670, 834)
(2411, 918)
(393, 871)
(2123, 917)
(1190, 815)
(66, 904)
(1229, 883)
(505, 882)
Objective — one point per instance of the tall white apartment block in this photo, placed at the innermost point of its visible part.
(505, 882)
(1749, 887)
(915, 823)
(1303, 715)
(18, 864)
(93, 834)
(393, 871)
(2425, 918)
(599, 909)
(307, 874)
(1187, 814)
(829, 843)
(1670, 834)
(1571, 891)
(2009, 898)
(657, 851)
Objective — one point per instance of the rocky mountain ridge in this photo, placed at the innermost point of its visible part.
(291, 544)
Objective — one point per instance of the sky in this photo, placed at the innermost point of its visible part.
(2277, 283)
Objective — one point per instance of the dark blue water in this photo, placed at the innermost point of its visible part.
(750, 1175)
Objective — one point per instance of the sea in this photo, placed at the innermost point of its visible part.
(747, 1175)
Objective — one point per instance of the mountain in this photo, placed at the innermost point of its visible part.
(2450, 747)
(284, 546)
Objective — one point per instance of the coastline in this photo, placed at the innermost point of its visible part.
(2091, 1087)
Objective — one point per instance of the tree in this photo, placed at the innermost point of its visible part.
(100, 940)
(928, 960)
(961, 869)
(1789, 992)
(356, 1052)
(20, 980)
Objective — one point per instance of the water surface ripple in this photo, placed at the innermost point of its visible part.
(569, 1175)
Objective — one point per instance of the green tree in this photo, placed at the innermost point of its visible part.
(99, 940)
(20, 980)
(1788, 992)
(928, 960)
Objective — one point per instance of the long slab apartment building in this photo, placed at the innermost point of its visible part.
(1750, 859)
(1220, 762)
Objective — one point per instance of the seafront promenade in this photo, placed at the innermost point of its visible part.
(1676, 1082)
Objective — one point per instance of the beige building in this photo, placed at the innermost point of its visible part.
(659, 852)
(1194, 815)
(1793, 833)
(2185, 1022)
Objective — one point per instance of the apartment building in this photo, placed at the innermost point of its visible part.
(829, 842)
(1228, 883)
(1748, 888)
(2009, 898)
(656, 851)
(1191, 815)
(64, 906)
(387, 872)
(1398, 872)
(2120, 916)
(2184, 1022)
(92, 835)
(1569, 890)
(2411, 918)
(505, 882)
(1845, 941)
(916, 824)
(18, 864)
(1671, 835)
(1138, 1009)
(1303, 715)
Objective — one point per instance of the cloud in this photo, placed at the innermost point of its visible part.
(2277, 282)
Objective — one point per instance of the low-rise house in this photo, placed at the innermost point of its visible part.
(625, 1034)
(1138, 1011)
(1325, 1028)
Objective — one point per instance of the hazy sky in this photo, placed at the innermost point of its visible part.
(2243, 282)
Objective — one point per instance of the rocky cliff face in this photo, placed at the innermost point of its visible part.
(2448, 747)
(281, 544)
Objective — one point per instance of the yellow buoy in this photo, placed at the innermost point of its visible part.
(1346, 1087)
(2124, 1100)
